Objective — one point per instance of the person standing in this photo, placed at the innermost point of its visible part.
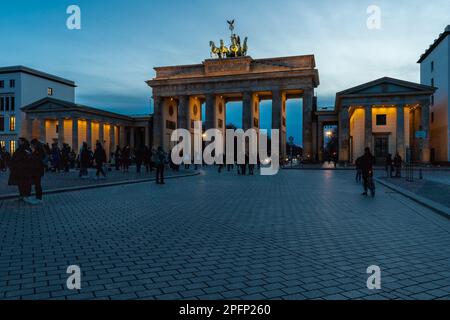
(358, 170)
(398, 165)
(65, 157)
(20, 171)
(367, 161)
(37, 167)
(160, 163)
(388, 165)
(126, 154)
(85, 160)
(139, 156)
(100, 159)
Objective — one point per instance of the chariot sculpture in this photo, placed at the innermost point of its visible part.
(233, 50)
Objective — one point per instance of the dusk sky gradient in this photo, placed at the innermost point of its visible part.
(121, 41)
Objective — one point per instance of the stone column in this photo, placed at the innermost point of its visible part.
(75, 145)
(89, 133)
(60, 131)
(147, 136)
(42, 131)
(247, 114)
(308, 100)
(400, 132)
(158, 125)
(425, 124)
(344, 134)
(277, 119)
(320, 141)
(368, 136)
(132, 146)
(101, 133)
(211, 111)
(29, 129)
(183, 112)
(122, 137)
(112, 138)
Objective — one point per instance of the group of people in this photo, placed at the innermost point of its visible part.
(27, 167)
(394, 165)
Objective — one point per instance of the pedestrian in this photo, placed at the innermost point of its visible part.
(388, 165)
(147, 159)
(367, 162)
(398, 165)
(139, 156)
(126, 154)
(56, 158)
(100, 159)
(85, 160)
(5, 157)
(37, 167)
(20, 171)
(160, 163)
(117, 158)
(358, 170)
(65, 157)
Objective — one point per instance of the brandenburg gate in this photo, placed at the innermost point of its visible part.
(232, 75)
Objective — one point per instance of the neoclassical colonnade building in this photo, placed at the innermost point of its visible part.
(180, 91)
(57, 121)
(388, 116)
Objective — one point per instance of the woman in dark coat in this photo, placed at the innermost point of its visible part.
(37, 167)
(20, 170)
(85, 160)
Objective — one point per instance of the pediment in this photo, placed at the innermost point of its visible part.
(386, 86)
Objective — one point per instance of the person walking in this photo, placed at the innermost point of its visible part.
(65, 157)
(20, 171)
(100, 159)
(160, 163)
(367, 161)
(85, 160)
(117, 158)
(37, 167)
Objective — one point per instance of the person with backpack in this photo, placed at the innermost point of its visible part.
(100, 159)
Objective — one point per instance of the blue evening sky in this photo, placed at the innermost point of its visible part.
(121, 41)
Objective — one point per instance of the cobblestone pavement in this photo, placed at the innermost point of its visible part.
(53, 181)
(432, 190)
(297, 235)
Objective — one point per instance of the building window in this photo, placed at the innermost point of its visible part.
(49, 91)
(2, 104)
(432, 66)
(13, 103)
(2, 144)
(12, 146)
(7, 103)
(2, 124)
(12, 83)
(12, 123)
(2, 84)
(432, 117)
(432, 100)
(381, 119)
(432, 82)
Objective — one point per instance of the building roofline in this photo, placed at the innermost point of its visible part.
(37, 73)
(83, 108)
(441, 38)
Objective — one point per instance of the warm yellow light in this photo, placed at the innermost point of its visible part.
(329, 133)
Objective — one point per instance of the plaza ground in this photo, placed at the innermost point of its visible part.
(297, 235)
